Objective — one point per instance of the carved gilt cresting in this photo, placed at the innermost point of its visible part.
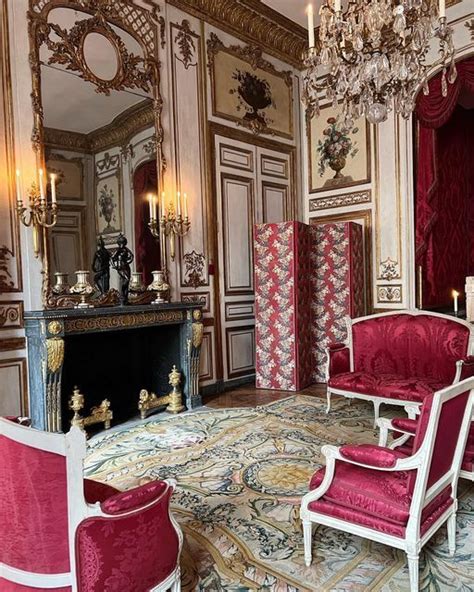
(100, 414)
(67, 49)
(174, 399)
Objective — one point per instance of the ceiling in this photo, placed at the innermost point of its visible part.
(295, 10)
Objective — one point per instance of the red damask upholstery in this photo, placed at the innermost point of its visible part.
(400, 357)
(405, 345)
(368, 454)
(127, 542)
(339, 359)
(389, 386)
(373, 495)
(128, 552)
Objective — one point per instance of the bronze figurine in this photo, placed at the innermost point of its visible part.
(101, 267)
(121, 260)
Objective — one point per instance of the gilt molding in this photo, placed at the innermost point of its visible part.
(253, 22)
(185, 43)
(117, 133)
(338, 201)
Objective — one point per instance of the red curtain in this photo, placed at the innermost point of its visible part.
(147, 256)
(445, 159)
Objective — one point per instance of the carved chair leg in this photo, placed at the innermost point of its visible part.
(308, 535)
(452, 534)
(413, 569)
(328, 397)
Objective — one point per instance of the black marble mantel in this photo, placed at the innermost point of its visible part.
(110, 353)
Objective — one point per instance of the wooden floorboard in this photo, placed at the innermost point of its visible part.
(249, 396)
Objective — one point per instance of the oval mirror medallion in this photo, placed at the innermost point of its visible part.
(100, 56)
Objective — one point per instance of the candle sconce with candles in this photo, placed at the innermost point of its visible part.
(170, 223)
(42, 214)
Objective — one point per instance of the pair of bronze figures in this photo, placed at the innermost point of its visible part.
(120, 260)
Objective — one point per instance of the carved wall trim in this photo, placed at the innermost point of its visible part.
(11, 314)
(194, 270)
(339, 201)
(185, 42)
(389, 294)
(251, 54)
(12, 343)
(470, 27)
(389, 270)
(253, 22)
(117, 133)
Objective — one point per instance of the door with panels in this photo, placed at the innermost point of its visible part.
(253, 186)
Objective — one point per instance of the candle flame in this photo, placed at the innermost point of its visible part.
(17, 172)
(455, 293)
(309, 9)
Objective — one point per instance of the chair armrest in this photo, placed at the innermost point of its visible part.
(464, 368)
(24, 421)
(407, 427)
(338, 359)
(135, 499)
(137, 540)
(371, 455)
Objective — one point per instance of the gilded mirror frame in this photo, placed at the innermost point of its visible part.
(132, 71)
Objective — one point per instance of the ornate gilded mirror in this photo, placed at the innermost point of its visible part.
(97, 126)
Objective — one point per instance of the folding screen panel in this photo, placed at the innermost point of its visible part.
(282, 306)
(308, 279)
(337, 287)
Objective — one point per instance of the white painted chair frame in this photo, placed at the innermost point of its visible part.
(411, 407)
(385, 425)
(413, 541)
(73, 447)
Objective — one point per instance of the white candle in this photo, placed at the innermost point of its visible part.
(53, 188)
(163, 204)
(155, 207)
(178, 202)
(442, 8)
(185, 206)
(18, 188)
(41, 174)
(310, 25)
(337, 6)
(455, 297)
(150, 205)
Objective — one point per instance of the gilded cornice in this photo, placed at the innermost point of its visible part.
(117, 133)
(253, 22)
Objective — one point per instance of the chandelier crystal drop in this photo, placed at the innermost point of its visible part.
(373, 56)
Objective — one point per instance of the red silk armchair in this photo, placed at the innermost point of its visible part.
(385, 496)
(400, 358)
(61, 532)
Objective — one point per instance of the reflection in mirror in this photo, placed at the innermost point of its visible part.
(99, 139)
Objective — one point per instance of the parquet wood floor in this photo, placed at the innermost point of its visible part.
(248, 396)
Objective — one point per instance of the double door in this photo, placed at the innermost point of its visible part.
(254, 185)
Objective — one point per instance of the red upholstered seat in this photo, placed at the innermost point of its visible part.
(390, 386)
(380, 500)
(128, 541)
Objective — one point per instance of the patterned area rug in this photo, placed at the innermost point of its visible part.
(241, 473)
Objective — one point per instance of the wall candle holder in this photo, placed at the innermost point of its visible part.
(171, 223)
(40, 215)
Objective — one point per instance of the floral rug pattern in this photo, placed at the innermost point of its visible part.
(241, 474)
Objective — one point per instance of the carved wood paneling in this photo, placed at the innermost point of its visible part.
(11, 314)
(275, 198)
(274, 167)
(237, 219)
(236, 158)
(13, 386)
(69, 241)
(239, 311)
(240, 351)
(206, 372)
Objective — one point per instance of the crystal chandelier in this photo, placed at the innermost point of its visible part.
(372, 56)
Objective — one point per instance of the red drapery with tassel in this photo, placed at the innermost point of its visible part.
(147, 256)
(444, 181)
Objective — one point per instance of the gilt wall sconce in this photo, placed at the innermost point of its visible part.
(169, 221)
